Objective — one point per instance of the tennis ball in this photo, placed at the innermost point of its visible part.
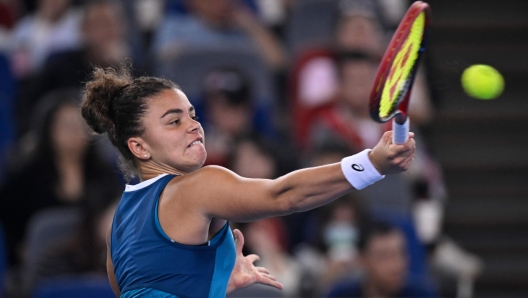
(482, 81)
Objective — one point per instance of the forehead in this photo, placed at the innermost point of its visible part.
(168, 99)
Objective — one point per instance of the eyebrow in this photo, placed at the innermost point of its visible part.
(176, 111)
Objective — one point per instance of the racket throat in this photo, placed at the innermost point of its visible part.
(400, 118)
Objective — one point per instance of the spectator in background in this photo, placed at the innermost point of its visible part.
(359, 28)
(253, 158)
(104, 44)
(304, 227)
(348, 118)
(53, 27)
(320, 74)
(216, 24)
(340, 238)
(383, 257)
(59, 169)
(267, 239)
(329, 152)
(229, 111)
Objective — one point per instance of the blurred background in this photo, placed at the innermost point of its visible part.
(278, 85)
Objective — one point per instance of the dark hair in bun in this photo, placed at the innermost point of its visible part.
(114, 102)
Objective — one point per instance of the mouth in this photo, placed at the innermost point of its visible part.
(196, 142)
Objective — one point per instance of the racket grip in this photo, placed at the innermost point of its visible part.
(400, 132)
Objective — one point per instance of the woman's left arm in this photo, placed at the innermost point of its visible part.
(245, 273)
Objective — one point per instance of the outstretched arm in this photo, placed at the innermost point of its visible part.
(245, 273)
(220, 193)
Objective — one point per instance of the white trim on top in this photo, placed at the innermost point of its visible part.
(144, 183)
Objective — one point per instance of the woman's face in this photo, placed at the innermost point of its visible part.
(103, 25)
(357, 78)
(359, 32)
(173, 136)
(69, 133)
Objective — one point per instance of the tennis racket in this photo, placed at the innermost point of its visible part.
(390, 94)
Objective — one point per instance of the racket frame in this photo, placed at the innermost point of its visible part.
(404, 28)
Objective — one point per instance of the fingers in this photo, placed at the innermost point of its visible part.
(253, 258)
(393, 158)
(405, 155)
(268, 276)
(270, 281)
(407, 163)
(387, 137)
(262, 270)
(239, 241)
(404, 149)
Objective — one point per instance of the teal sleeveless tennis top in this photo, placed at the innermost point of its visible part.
(147, 263)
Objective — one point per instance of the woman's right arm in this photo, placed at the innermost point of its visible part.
(218, 192)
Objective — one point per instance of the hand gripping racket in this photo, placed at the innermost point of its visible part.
(390, 94)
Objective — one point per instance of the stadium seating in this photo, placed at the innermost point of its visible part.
(45, 229)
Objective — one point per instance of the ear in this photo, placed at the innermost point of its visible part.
(139, 148)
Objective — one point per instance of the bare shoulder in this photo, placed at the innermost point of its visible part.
(200, 183)
(218, 192)
(207, 174)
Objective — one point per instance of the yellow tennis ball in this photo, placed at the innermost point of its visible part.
(482, 81)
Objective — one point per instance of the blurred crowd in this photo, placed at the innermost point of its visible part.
(278, 85)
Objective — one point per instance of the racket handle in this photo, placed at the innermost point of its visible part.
(400, 132)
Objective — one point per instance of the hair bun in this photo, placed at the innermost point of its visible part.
(99, 93)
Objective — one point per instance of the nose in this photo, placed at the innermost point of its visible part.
(194, 126)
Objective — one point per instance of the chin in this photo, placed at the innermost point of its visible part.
(196, 165)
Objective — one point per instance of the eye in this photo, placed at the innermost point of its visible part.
(195, 118)
(175, 122)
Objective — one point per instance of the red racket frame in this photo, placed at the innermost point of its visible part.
(395, 45)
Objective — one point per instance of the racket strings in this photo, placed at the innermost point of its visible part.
(402, 68)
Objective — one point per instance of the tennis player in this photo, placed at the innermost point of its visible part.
(170, 235)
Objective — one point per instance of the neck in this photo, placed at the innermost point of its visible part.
(149, 169)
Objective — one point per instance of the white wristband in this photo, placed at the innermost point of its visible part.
(359, 170)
